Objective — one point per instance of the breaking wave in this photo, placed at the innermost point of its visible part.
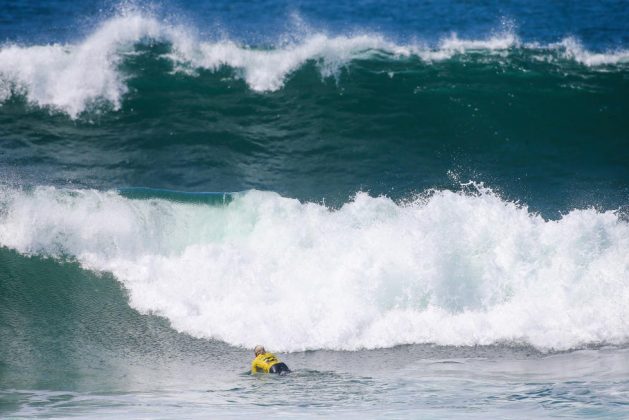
(452, 268)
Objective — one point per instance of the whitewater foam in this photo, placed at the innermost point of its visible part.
(72, 77)
(453, 45)
(447, 268)
(573, 50)
(265, 70)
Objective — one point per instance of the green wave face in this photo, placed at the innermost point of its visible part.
(66, 328)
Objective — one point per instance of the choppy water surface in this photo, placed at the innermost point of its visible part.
(422, 207)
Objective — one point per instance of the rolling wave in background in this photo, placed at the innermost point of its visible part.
(448, 268)
(142, 101)
(72, 77)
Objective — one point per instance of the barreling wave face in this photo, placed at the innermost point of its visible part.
(450, 268)
(73, 77)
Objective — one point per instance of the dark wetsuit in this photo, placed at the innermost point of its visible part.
(279, 368)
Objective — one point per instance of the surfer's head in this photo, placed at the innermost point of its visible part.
(259, 350)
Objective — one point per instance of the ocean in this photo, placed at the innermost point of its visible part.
(421, 206)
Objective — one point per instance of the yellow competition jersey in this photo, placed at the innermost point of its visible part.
(263, 362)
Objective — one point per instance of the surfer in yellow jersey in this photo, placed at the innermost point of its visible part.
(267, 362)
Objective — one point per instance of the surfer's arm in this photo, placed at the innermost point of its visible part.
(254, 366)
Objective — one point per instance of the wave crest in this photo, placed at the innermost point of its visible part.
(71, 77)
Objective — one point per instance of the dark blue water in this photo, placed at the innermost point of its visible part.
(600, 25)
(422, 204)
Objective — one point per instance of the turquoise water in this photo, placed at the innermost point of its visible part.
(422, 208)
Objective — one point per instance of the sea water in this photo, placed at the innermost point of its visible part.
(421, 207)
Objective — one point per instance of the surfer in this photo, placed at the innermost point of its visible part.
(267, 362)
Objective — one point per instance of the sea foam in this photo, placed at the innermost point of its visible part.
(450, 268)
(71, 77)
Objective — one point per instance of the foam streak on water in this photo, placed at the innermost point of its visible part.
(447, 268)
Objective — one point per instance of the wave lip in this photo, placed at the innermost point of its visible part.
(573, 50)
(265, 70)
(67, 77)
(447, 268)
(72, 77)
(453, 45)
